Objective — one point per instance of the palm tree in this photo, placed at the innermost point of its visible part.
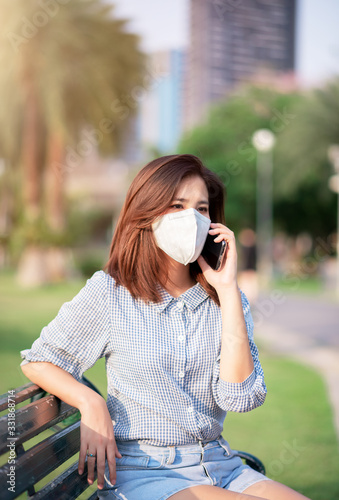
(67, 63)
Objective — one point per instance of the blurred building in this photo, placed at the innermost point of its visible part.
(231, 42)
(160, 121)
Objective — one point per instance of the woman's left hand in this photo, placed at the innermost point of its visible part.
(226, 277)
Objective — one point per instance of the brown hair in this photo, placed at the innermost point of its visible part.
(135, 260)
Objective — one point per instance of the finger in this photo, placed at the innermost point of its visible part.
(101, 467)
(220, 229)
(217, 226)
(111, 464)
(217, 230)
(117, 452)
(221, 237)
(82, 457)
(203, 264)
(225, 235)
(91, 466)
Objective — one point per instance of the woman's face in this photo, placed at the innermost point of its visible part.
(191, 193)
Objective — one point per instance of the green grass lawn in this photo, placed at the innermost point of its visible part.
(299, 283)
(23, 313)
(292, 433)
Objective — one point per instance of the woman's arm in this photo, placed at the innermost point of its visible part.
(96, 429)
(67, 347)
(238, 380)
(236, 362)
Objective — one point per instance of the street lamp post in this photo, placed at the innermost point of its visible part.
(333, 154)
(263, 140)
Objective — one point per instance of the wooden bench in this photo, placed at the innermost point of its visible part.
(29, 412)
(41, 412)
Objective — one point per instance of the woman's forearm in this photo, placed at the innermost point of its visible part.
(96, 430)
(62, 384)
(236, 362)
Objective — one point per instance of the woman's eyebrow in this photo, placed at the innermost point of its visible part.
(183, 200)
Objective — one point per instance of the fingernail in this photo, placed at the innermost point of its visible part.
(80, 471)
(90, 481)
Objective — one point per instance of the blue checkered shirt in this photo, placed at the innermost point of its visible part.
(162, 360)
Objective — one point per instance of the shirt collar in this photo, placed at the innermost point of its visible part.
(192, 298)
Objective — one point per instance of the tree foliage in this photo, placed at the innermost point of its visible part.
(301, 168)
(77, 60)
(304, 168)
(67, 67)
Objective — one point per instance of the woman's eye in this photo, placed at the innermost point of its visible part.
(203, 209)
(177, 206)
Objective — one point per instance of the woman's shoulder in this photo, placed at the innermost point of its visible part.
(98, 277)
(101, 277)
(103, 284)
(100, 283)
(97, 280)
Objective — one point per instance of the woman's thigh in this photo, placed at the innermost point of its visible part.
(263, 490)
(272, 490)
(210, 493)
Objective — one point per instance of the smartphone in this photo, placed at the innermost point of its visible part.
(213, 252)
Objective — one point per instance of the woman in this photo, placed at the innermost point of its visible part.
(177, 337)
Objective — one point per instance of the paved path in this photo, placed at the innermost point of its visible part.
(305, 328)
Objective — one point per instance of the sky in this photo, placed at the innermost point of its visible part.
(163, 24)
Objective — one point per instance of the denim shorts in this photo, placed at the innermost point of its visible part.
(147, 472)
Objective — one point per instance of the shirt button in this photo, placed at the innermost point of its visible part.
(180, 305)
(190, 409)
(181, 374)
(181, 338)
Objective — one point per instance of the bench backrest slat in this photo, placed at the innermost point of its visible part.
(22, 393)
(34, 418)
(43, 458)
(68, 486)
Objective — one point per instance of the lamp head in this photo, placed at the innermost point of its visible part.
(263, 140)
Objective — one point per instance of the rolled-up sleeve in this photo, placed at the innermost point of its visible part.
(79, 335)
(249, 394)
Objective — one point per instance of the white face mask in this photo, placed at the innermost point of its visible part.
(182, 234)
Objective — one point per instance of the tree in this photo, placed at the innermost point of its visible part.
(304, 168)
(224, 143)
(69, 65)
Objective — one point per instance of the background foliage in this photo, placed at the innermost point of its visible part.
(305, 125)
